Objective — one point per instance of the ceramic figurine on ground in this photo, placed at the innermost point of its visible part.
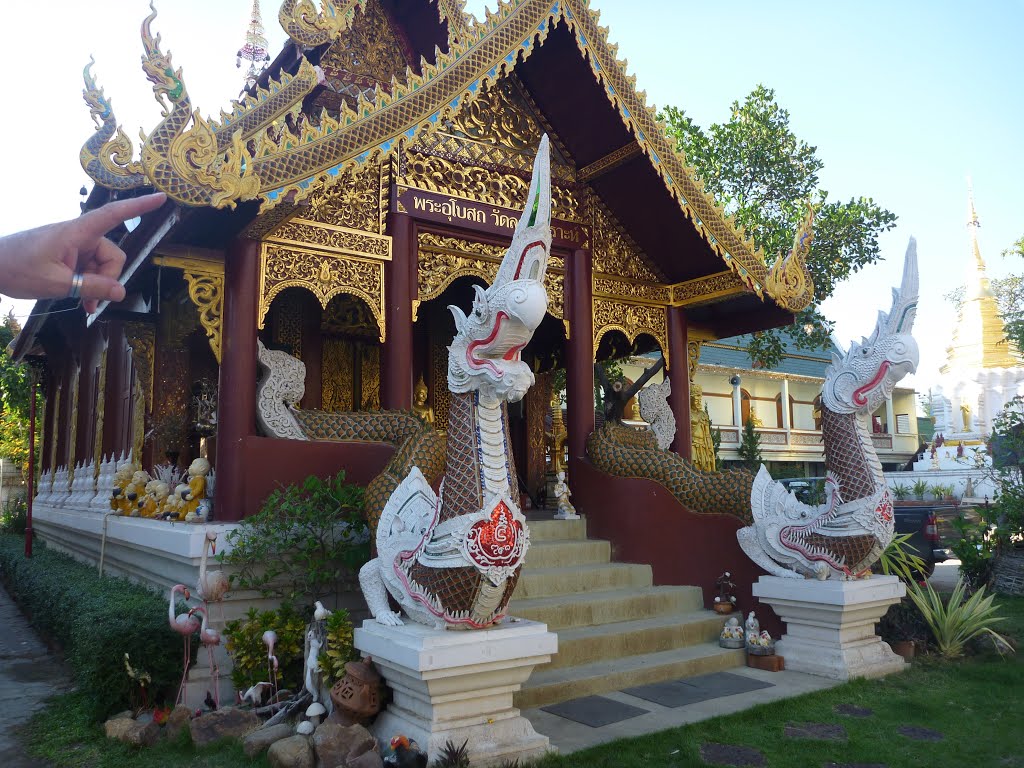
(122, 479)
(175, 503)
(197, 472)
(135, 489)
(566, 511)
(154, 499)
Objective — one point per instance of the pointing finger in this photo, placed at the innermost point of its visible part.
(100, 221)
(97, 288)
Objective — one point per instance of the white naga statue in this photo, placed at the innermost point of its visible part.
(846, 535)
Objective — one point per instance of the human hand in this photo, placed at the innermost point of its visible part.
(40, 263)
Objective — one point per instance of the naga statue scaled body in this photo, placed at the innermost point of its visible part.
(846, 535)
(453, 559)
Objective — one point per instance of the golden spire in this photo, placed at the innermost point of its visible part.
(979, 339)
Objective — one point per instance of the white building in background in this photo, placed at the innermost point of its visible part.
(983, 371)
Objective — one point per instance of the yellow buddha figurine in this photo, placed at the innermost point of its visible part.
(419, 406)
(700, 431)
(197, 472)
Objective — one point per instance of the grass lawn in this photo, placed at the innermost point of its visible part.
(977, 704)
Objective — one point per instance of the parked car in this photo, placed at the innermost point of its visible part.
(910, 517)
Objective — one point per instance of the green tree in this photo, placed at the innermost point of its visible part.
(750, 446)
(763, 175)
(14, 398)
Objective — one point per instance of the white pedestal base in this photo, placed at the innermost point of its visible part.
(457, 686)
(830, 625)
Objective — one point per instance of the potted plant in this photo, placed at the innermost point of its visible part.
(725, 601)
(900, 491)
(920, 488)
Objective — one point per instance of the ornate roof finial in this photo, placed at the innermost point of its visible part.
(255, 49)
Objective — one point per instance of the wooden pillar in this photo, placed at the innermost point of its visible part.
(579, 364)
(399, 286)
(114, 427)
(236, 403)
(679, 376)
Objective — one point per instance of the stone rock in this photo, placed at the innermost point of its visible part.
(732, 755)
(917, 733)
(118, 727)
(336, 743)
(226, 723)
(177, 721)
(293, 752)
(852, 710)
(369, 759)
(125, 715)
(260, 740)
(820, 731)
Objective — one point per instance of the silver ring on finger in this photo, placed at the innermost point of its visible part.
(76, 286)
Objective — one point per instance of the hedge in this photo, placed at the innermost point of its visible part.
(96, 620)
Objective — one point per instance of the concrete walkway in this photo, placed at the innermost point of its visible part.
(29, 675)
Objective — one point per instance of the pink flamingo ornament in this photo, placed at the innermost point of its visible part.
(210, 638)
(213, 585)
(270, 640)
(186, 625)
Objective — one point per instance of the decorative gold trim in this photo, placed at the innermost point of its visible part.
(443, 259)
(205, 277)
(706, 290)
(325, 274)
(101, 406)
(55, 434)
(141, 338)
(331, 238)
(633, 291)
(632, 319)
(609, 162)
(73, 437)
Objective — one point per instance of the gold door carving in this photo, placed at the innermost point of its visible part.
(337, 376)
(632, 320)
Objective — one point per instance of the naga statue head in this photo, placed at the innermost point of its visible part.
(485, 354)
(168, 87)
(861, 381)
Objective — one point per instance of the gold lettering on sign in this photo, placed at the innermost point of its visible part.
(451, 209)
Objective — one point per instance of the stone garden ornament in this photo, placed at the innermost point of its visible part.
(453, 559)
(846, 535)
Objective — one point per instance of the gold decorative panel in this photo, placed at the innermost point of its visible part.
(333, 239)
(706, 290)
(636, 291)
(610, 161)
(288, 324)
(205, 278)
(692, 358)
(365, 57)
(337, 379)
(73, 438)
(439, 174)
(442, 396)
(55, 432)
(370, 377)
(325, 274)
(141, 338)
(101, 407)
(497, 115)
(614, 251)
(444, 259)
(355, 201)
(632, 320)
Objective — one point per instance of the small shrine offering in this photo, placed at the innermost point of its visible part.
(725, 601)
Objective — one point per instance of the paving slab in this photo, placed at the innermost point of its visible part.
(569, 736)
(29, 675)
(595, 711)
(678, 693)
(731, 755)
(815, 731)
(852, 710)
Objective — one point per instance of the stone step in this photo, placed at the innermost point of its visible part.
(590, 608)
(567, 552)
(546, 530)
(546, 582)
(585, 645)
(550, 686)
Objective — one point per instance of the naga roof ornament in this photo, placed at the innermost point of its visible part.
(201, 163)
(107, 155)
(789, 281)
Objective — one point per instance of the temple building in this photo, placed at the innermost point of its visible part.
(372, 177)
(983, 370)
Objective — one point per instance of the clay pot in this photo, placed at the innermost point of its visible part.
(722, 608)
(904, 648)
(358, 694)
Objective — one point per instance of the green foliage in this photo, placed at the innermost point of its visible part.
(900, 491)
(904, 622)
(763, 175)
(340, 648)
(898, 559)
(959, 620)
(716, 443)
(750, 446)
(303, 542)
(920, 489)
(453, 756)
(97, 621)
(249, 653)
(613, 370)
(14, 517)
(15, 396)
(975, 546)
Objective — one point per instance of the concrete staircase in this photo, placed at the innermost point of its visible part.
(615, 629)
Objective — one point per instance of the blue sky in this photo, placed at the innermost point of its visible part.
(903, 101)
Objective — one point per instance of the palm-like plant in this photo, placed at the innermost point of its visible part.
(959, 620)
(898, 559)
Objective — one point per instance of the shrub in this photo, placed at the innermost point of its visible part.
(340, 648)
(899, 559)
(14, 517)
(249, 653)
(959, 620)
(920, 489)
(97, 620)
(900, 491)
(303, 543)
(974, 549)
